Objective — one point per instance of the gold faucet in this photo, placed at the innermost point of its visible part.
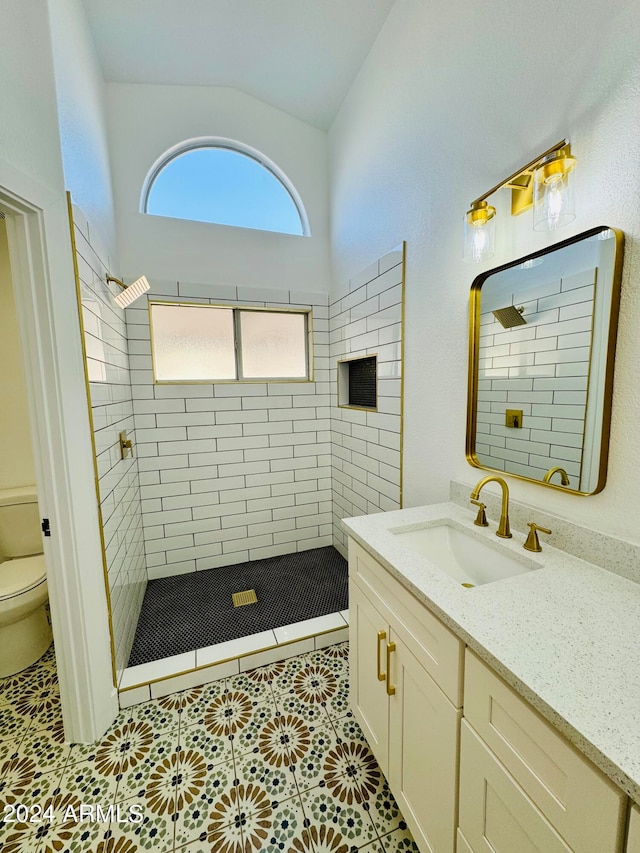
(503, 530)
(564, 477)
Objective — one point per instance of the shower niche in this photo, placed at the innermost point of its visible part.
(357, 383)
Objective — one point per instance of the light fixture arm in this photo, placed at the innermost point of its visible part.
(523, 172)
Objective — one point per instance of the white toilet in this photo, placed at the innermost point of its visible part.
(25, 628)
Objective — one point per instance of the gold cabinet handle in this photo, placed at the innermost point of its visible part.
(382, 635)
(391, 647)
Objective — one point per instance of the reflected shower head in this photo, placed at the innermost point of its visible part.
(510, 316)
(130, 292)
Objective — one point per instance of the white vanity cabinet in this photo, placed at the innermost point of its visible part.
(523, 786)
(633, 840)
(398, 650)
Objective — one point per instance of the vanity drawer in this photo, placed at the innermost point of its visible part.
(582, 804)
(435, 647)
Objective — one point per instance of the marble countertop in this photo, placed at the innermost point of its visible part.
(566, 636)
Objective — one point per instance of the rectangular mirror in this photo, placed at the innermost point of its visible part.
(541, 355)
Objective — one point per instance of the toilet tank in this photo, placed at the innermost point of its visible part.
(20, 534)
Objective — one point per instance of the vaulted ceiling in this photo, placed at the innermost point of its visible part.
(300, 56)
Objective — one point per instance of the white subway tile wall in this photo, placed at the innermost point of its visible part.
(366, 458)
(541, 369)
(108, 364)
(231, 472)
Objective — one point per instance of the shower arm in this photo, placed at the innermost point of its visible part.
(116, 281)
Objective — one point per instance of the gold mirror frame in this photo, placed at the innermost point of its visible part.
(608, 354)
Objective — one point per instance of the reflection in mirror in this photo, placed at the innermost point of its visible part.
(541, 363)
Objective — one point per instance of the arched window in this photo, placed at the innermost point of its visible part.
(224, 182)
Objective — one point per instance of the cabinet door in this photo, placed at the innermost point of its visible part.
(496, 816)
(633, 842)
(369, 635)
(423, 752)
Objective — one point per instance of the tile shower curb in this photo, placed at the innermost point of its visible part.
(180, 672)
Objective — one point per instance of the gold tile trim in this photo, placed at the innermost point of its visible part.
(402, 335)
(229, 659)
(247, 597)
(105, 568)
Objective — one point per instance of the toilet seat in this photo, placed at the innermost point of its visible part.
(21, 575)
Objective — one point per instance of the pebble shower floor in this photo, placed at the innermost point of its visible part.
(269, 760)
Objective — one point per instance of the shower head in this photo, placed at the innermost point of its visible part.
(130, 292)
(510, 316)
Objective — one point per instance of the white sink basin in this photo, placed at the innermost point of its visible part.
(461, 555)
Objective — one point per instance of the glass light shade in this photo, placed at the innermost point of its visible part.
(553, 196)
(479, 233)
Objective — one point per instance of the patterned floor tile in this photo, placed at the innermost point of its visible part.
(384, 809)
(13, 724)
(200, 699)
(351, 820)
(256, 683)
(200, 787)
(9, 748)
(399, 841)
(32, 808)
(269, 760)
(309, 768)
(284, 673)
(128, 834)
(135, 773)
(89, 784)
(39, 701)
(288, 826)
(216, 749)
(277, 780)
(348, 729)
(46, 747)
(247, 737)
(314, 714)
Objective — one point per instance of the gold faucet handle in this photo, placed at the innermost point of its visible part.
(481, 518)
(533, 543)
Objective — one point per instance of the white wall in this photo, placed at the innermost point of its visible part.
(16, 455)
(29, 127)
(146, 121)
(82, 121)
(452, 99)
(31, 170)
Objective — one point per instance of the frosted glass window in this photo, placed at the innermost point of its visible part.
(205, 343)
(192, 343)
(273, 345)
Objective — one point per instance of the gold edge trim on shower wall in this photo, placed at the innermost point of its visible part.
(229, 659)
(586, 402)
(402, 334)
(105, 569)
(231, 306)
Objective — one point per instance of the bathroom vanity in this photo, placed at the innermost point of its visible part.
(504, 715)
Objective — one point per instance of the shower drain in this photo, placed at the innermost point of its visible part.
(247, 597)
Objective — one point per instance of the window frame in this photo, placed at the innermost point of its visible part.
(238, 148)
(236, 308)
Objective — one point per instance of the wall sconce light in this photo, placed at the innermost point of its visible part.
(544, 184)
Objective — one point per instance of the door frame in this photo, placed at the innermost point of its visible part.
(44, 290)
